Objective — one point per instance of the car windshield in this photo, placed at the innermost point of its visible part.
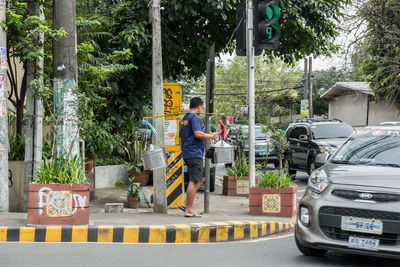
(331, 131)
(259, 134)
(371, 147)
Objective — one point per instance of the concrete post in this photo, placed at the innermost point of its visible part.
(66, 78)
(160, 191)
(310, 90)
(4, 146)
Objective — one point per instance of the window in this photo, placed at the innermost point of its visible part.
(299, 130)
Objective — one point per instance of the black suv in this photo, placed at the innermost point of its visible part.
(309, 137)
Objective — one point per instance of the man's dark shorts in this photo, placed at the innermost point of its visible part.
(195, 169)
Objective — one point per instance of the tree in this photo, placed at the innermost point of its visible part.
(23, 43)
(381, 49)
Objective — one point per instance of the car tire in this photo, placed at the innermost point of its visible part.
(311, 166)
(309, 251)
(286, 166)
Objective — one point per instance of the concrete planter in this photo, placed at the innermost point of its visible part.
(232, 186)
(16, 188)
(55, 204)
(106, 176)
(281, 202)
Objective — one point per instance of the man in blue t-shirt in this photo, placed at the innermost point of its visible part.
(191, 140)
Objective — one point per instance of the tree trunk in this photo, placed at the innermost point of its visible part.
(20, 102)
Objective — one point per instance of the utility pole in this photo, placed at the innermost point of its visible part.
(250, 90)
(310, 91)
(34, 112)
(305, 83)
(160, 191)
(209, 109)
(65, 82)
(4, 146)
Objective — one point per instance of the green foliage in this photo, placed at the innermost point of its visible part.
(134, 150)
(109, 161)
(17, 147)
(274, 179)
(133, 188)
(381, 50)
(60, 171)
(238, 170)
(279, 144)
(120, 184)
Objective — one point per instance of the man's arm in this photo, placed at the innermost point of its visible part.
(204, 136)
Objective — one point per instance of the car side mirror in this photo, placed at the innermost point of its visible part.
(303, 137)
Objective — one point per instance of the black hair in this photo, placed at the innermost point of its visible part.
(195, 102)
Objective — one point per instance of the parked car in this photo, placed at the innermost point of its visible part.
(309, 137)
(352, 202)
(262, 143)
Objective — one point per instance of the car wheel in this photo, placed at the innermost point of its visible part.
(309, 251)
(286, 166)
(311, 166)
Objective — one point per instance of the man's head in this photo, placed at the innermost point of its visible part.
(196, 105)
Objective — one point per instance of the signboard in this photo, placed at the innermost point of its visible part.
(304, 108)
(172, 105)
(174, 169)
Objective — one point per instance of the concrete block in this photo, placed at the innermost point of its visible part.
(114, 207)
(106, 176)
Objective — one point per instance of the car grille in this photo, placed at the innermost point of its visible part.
(335, 232)
(377, 197)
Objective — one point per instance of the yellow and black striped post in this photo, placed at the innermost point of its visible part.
(174, 180)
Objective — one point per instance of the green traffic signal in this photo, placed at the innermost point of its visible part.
(266, 17)
(269, 12)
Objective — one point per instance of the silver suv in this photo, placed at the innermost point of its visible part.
(352, 203)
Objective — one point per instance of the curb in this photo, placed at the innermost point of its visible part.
(174, 233)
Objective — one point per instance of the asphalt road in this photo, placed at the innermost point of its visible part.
(275, 251)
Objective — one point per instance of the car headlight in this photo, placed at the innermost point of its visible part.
(328, 150)
(318, 181)
(304, 216)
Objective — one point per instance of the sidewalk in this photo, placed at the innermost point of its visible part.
(227, 220)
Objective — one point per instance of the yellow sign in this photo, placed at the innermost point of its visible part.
(172, 105)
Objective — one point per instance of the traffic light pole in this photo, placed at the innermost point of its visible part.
(4, 196)
(250, 90)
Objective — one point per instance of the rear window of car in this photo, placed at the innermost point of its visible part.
(371, 147)
(331, 131)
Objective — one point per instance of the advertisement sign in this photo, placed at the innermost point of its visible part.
(304, 108)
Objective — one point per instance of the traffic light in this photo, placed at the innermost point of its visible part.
(266, 29)
(241, 31)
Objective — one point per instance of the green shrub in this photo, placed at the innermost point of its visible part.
(238, 169)
(133, 188)
(120, 184)
(274, 179)
(60, 171)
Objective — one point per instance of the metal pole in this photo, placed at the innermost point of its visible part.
(310, 90)
(34, 113)
(160, 189)
(4, 196)
(250, 86)
(207, 142)
(305, 83)
(209, 104)
(65, 82)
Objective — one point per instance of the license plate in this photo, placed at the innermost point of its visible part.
(363, 243)
(263, 153)
(362, 225)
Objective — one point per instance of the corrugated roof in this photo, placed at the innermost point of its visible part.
(341, 88)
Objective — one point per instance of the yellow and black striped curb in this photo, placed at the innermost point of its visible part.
(175, 233)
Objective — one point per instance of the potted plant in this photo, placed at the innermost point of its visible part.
(133, 193)
(236, 182)
(276, 193)
(134, 149)
(59, 193)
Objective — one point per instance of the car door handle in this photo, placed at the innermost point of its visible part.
(298, 144)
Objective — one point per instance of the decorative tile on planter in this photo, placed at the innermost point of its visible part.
(242, 186)
(271, 203)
